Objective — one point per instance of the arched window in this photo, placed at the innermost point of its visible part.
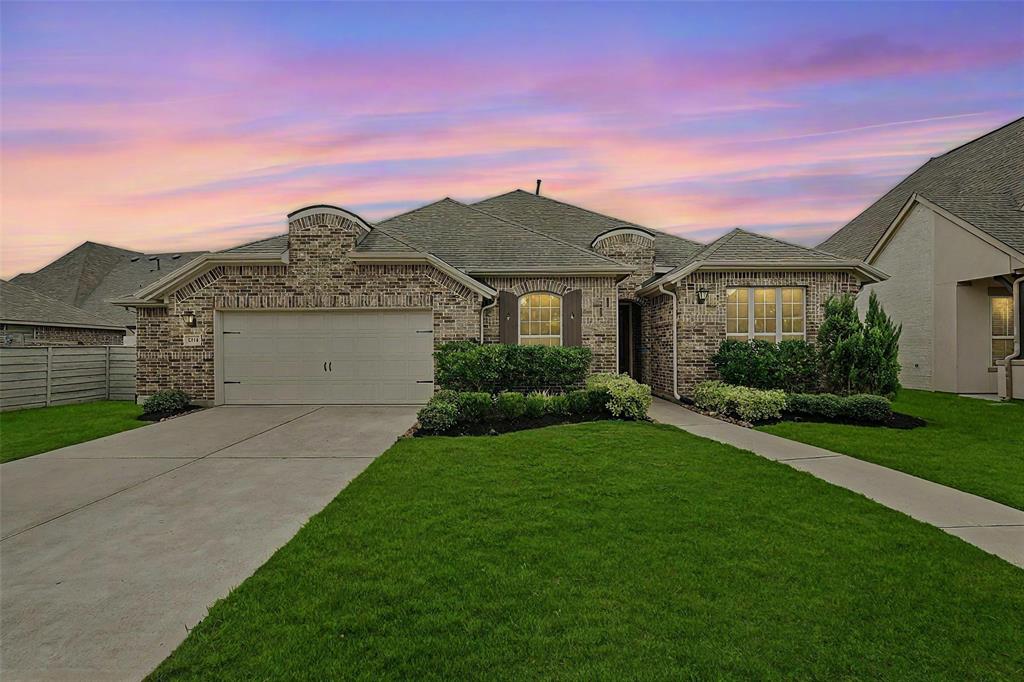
(540, 319)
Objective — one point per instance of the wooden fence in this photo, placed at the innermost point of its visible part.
(61, 375)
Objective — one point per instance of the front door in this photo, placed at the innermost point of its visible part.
(629, 339)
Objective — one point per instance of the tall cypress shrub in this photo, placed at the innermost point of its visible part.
(840, 339)
(879, 367)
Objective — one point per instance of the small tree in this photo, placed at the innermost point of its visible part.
(879, 370)
(840, 339)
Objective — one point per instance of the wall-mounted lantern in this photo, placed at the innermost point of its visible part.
(189, 319)
(702, 295)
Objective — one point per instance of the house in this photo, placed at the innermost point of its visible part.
(28, 318)
(88, 276)
(951, 238)
(339, 310)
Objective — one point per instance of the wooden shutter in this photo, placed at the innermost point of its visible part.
(572, 318)
(508, 317)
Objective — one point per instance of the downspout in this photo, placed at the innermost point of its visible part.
(675, 339)
(483, 310)
(1018, 332)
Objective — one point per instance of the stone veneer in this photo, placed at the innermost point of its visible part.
(599, 323)
(702, 327)
(65, 336)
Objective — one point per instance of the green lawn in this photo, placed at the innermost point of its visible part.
(29, 432)
(607, 551)
(973, 445)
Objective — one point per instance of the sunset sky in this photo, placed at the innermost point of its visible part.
(166, 127)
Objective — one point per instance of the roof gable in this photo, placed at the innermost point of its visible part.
(989, 166)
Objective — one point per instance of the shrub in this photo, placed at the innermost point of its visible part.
(474, 406)
(536, 405)
(438, 416)
(510, 405)
(789, 365)
(558, 406)
(749, 404)
(879, 365)
(861, 407)
(169, 401)
(859, 357)
(839, 343)
(468, 366)
(579, 402)
(627, 398)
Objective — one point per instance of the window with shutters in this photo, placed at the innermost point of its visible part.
(765, 313)
(540, 319)
(1002, 327)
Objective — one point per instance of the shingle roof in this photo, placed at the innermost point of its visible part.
(578, 225)
(20, 304)
(997, 214)
(990, 166)
(475, 241)
(91, 274)
(276, 244)
(739, 246)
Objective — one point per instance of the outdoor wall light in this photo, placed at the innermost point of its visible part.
(189, 319)
(702, 296)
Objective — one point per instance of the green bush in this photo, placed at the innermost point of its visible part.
(789, 365)
(536, 405)
(474, 407)
(558, 406)
(627, 399)
(879, 364)
(169, 401)
(510, 405)
(859, 357)
(860, 407)
(468, 366)
(748, 404)
(438, 416)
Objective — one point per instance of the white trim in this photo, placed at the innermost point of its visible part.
(64, 325)
(1001, 337)
(623, 270)
(329, 210)
(417, 257)
(615, 231)
(218, 362)
(195, 268)
(750, 334)
(561, 318)
(866, 272)
(951, 217)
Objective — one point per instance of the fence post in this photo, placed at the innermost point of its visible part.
(107, 373)
(49, 372)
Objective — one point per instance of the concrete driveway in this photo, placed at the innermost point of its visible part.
(112, 549)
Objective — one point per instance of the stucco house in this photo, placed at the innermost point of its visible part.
(951, 238)
(339, 310)
(29, 318)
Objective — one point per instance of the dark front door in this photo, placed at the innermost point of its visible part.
(629, 339)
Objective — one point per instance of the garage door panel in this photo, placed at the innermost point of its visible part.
(373, 357)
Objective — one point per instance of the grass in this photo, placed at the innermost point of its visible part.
(29, 432)
(609, 550)
(972, 445)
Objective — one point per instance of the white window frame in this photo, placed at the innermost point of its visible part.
(749, 335)
(561, 318)
(994, 337)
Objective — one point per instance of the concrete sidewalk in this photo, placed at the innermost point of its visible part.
(993, 527)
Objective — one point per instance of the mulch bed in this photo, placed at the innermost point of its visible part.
(497, 427)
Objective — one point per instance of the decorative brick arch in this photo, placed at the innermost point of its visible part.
(552, 286)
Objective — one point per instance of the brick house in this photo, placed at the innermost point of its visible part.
(29, 318)
(341, 311)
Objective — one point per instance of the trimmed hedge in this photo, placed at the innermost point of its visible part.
(605, 396)
(496, 367)
(167, 402)
(789, 365)
(860, 407)
(748, 404)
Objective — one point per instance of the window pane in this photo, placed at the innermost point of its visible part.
(764, 312)
(793, 312)
(539, 319)
(1002, 315)
(736, 311)
(1000, 349)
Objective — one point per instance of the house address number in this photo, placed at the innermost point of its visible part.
(192, 340)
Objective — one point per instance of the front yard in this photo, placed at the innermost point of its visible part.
(29, 432)
(609, 550)
(972, 445)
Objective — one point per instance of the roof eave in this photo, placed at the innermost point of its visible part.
(864, 271)
(69, 325)
(197, 266)
(415, 257)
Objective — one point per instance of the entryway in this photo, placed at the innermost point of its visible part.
(629, 338)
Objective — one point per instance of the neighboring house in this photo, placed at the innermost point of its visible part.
(951, 238)
(88, 276)
(28, 318)
(341, 311)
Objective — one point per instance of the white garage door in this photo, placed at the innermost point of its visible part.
(327, 357)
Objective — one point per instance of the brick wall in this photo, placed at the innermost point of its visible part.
(599, 311)
(631, 249)
(65, 336)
